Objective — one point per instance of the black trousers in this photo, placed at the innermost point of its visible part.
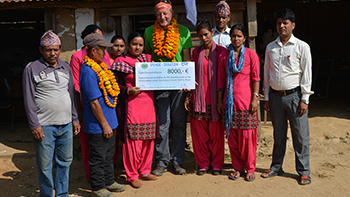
(101, 160)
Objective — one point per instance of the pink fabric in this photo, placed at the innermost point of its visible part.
(208, 143)
(206, 81)
(243, 146)
(137, 158)
(199, 103)
(242, 82)
(76, 63)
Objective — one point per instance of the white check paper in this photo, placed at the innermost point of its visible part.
(165, 75)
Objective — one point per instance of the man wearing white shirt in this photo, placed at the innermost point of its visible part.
(287, 88)
(221, 30)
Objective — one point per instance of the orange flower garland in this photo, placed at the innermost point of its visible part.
(107, 83)
(166, 45)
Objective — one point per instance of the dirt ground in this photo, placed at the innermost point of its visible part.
(330, 162)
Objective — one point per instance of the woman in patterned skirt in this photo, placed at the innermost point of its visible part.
(206, 128)
(241, 76)
(136, 113)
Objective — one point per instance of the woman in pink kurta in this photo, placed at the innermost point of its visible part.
(76, 63)
(240, 80)
(136, 108)
(206, 128)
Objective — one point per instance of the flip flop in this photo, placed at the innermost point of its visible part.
(252, 179)
(305, 178)
(233, 177)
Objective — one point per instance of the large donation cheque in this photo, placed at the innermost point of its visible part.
(165, 75)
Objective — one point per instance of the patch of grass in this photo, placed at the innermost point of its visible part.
(227, 156)
(344, 141)
(323, 175)
(261, 154)
(329, 165)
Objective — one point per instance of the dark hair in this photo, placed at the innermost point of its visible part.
(134, 34)
(89, 49)
(116, 37)
(164, 1)
(240, 28)
(286, 14)
(204, 24)
(89, 29)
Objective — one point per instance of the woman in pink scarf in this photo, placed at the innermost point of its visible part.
(136, 114)
(206, 128)
(76, 63)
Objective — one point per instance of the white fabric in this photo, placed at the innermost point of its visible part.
(191, 11)
(223, 39)
(288, 66)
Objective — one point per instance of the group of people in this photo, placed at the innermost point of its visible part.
(96, 94)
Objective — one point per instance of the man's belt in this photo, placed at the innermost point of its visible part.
(285, 92)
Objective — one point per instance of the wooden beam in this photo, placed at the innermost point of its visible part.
(251, 16)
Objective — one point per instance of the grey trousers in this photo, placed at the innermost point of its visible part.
(281, 109)
(170, 109)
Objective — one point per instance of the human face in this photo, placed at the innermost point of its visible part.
(118, 48)
(221, 21)
(237, 38)
(164, 16)
(50, 54)
(98, 54)
(135, 47)
(285, 27)
(205, 36)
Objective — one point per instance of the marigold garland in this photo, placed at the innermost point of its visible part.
(166, 45)
(108, 83)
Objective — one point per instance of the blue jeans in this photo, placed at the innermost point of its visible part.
(58, 146)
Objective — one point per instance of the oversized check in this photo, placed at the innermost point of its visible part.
(165, 75)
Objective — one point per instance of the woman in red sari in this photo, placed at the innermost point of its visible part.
(136, 114)
(206, 128)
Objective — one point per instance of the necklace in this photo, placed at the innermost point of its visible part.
(166, 45)
(108, 84)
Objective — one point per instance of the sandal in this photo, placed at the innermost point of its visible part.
(271, 173)
(233, 176)
(305, 178)
(250, 179)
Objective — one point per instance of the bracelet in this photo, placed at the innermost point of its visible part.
(186, 99)
(256, 94)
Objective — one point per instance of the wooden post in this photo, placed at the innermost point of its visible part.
(252, 33)
(125, 26)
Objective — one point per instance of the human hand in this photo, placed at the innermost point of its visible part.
(220, 108)
(38, 133)
(267, 106)
(133, 91)
(107, 131)
(76, 128)
(302, 108)
(187, 104)
(254, 105)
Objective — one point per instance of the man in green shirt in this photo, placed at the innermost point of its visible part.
(172, 43)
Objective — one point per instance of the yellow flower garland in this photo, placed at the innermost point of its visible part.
(166, 46)
(107, 83)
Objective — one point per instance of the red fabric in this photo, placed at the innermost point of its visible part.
(208, 143)
(85, 151)
(243, 146)
(242, 81)
(137, 158)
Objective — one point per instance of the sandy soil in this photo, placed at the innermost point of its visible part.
(330, 163)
